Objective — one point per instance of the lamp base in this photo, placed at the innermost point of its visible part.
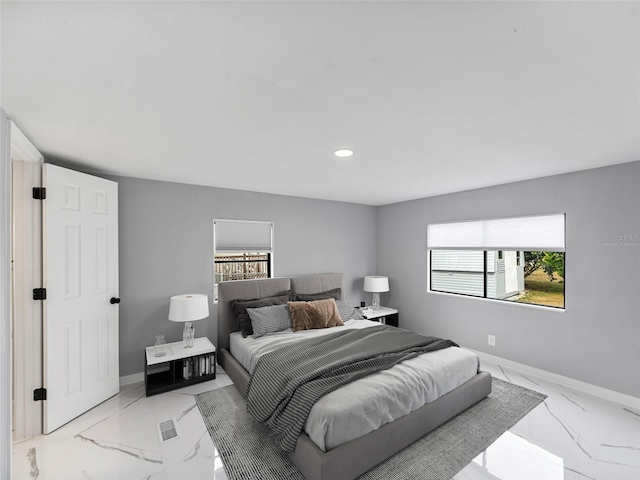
(376, 301)
(188, 334)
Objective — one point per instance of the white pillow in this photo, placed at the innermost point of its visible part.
(348, 311)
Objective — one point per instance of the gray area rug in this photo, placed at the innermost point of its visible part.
(248, 452)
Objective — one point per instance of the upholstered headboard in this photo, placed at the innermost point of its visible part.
(317, 283)
(267, 287)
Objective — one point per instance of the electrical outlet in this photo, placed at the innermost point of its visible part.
(492, 340)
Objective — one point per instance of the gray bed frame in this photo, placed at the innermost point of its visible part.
(351, 459)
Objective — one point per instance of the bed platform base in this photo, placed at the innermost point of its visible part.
(354, 458)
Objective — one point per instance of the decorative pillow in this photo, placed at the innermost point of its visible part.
(239, 307)
(348, 311)
(314, 314)
(335, 293)
(269, 319)
(244, 323)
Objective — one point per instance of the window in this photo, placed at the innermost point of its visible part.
(242, 250)
(518, 259)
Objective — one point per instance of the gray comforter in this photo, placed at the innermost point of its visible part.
(287, 382)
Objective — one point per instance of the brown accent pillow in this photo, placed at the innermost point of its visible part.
(315, 314)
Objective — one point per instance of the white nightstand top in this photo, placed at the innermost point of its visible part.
(382, 312)
(176, 351)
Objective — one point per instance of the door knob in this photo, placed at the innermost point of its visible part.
(114, 300)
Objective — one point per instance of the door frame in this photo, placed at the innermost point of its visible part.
(26, 252)
(5, 295)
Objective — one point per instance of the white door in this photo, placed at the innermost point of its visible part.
(80, 337)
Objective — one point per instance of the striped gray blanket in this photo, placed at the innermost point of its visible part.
(287, 382)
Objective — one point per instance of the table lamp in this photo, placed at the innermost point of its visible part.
(188, 308)
(376, 284)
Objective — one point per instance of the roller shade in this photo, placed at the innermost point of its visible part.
(242, 236)
(539, 233)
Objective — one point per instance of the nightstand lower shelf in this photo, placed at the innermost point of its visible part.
(179, 367)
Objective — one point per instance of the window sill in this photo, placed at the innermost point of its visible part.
(501, 302)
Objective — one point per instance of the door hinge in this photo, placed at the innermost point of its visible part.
(39, 394)
(39, 193)
(39, 293)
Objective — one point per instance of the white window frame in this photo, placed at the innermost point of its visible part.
(532, 233)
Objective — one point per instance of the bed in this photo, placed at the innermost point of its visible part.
(319, 459)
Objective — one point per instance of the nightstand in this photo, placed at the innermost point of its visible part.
(384, 315)
(180, 366)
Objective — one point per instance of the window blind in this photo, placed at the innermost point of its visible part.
(242, 236)
(538, 233)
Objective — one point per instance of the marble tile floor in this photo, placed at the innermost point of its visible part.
(119, 440)
(571, 436)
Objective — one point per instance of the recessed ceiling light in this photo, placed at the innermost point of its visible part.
(343, 152)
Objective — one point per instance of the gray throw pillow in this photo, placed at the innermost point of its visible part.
(240, 306)
(335, 293)
(244, 323)
(269, 319)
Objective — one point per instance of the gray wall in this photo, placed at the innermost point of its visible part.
(597, 338)
(166, 248)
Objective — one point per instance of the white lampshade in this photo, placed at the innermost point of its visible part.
(376, 283)
(188, 308)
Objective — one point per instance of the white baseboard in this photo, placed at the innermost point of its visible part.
(133, 378)
(596, 391)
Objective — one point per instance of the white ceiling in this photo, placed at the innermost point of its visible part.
(435, 97)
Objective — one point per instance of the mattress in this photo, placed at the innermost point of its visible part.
(366, 404)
